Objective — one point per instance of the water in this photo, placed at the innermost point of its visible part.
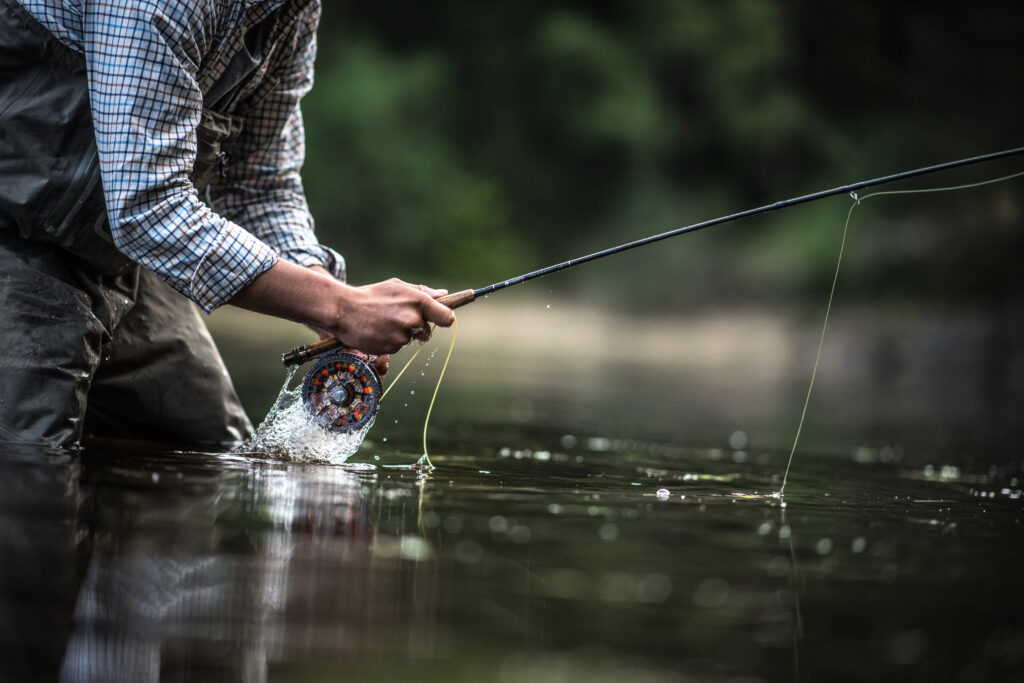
(565, 534)
(509, 563)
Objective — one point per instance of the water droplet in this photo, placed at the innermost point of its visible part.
(385, 439)
(909, 647)
(617, 587)
(712, 592)
(376, 457)
(468, 551)
(653, 589)
(663, 494)
(412, 393)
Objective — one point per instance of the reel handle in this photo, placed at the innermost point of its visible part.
(301, 354)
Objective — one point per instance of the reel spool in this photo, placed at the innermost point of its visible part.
(341, 392)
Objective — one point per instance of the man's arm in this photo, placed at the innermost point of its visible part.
(143, 60)
(261, 188)
(376, 319)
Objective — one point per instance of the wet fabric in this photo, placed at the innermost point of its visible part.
(83, 352)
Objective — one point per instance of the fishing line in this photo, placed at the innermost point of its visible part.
(404, 368)
(831, 296)
(437, 387)
(426, 422)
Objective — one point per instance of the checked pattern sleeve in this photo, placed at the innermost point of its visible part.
(262, 188)
(143, 59)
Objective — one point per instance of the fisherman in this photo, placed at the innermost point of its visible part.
(149, 158)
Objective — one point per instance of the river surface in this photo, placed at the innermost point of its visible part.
(578, 526)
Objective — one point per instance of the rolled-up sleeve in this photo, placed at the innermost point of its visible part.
(262, 187)
(143, 58)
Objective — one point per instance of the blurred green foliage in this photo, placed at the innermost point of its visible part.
(463, 143)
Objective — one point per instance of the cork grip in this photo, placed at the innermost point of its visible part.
(457, 299)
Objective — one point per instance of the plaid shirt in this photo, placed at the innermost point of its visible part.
(149, 63)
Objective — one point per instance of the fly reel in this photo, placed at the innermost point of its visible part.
(341, 392)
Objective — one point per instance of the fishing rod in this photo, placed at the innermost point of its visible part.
(303, 353)
(342, 390)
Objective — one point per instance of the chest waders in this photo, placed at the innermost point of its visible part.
(91, 343)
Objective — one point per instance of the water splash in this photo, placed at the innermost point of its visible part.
(289, 433)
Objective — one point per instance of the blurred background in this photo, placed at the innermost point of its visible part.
(459, 144)
(599, 431)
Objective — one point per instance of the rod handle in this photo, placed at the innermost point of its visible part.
(457, 299)
(301, 354)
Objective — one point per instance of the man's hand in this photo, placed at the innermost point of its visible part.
(388, 315)
(376, 319)
(380, 363)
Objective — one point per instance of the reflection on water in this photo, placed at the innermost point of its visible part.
(590, 558)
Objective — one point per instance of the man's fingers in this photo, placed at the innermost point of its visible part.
(431, 292)
(439, 314)
(396, 313)
(381, 363)
(433, 312)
